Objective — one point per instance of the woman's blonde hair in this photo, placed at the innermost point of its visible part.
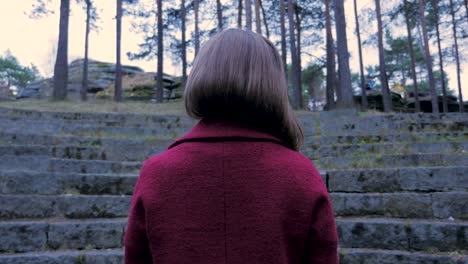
(238, 75)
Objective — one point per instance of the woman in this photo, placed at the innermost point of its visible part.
(234, 189)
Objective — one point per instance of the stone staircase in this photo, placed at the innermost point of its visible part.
(398, 183)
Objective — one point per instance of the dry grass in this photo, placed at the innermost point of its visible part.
(98, 106)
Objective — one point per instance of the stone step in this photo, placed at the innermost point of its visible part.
(403, 234)
(392, 161)
(8, 139)
(112, 119)
(379, 256)
(48, 183)
(47, 164)
(347, 256)
(27, 236)
(80, 129)
(389, 180)
(382, 148)
(60, 206)
(105, 256)
(441, 205)
(311, 143)
(349, 124)
(111, 153)
(314, 142)
(375, 233)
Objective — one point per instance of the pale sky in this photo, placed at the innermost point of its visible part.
(34, 41)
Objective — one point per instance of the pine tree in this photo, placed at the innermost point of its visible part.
(61, 63)
(441, 61)
(331, 69)
(118, 67)
(248, 14)
(387, 102)
(361, 64)
(428, 58)
(457, 57)
(346, 90)
(412, 57)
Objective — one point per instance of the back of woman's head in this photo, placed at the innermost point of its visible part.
(238, 75)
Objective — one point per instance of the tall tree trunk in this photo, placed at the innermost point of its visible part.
(457, 58)
(343, 57)
(265, 23)
(61, 62)
(428, 58)
(159, 79)
(197, 30)
(297, 93)
(248, 14)
(258, 19)
(184, 42)
(386, 95)
(361, 64)
(413, 61)
(84, 81)
(118, 67)
(219, 12)
(466, 8)
(283, 37)
(299, 47)
(239, 14)
(441, 62)
(331, 67)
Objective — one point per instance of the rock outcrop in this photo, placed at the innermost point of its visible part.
(136, 83)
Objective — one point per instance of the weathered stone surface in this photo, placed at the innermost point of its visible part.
(21, 182)
(373, 256)
(393, 160)
(349, 123)
(86, 234)
(395, 234)
(24, 151)
(27, 206)
(357, 204)
(110, 119)
(108, 256)
(95, 206)
(434, 179)
(22, 236)
(73, 171)
(408, 205)
(97, 184)
(450, 204)
(437, 236)
(383, 148)
(116, 152)
(372, 233)
(365, 138)
(31, 163)
(375, 180)
(92, 166)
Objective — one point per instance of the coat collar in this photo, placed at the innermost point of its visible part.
(217, 130)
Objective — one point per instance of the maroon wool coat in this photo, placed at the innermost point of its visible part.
(224, 193)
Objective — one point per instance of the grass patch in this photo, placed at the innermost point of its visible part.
(175, 107)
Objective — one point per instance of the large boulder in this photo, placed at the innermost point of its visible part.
(142, 86)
